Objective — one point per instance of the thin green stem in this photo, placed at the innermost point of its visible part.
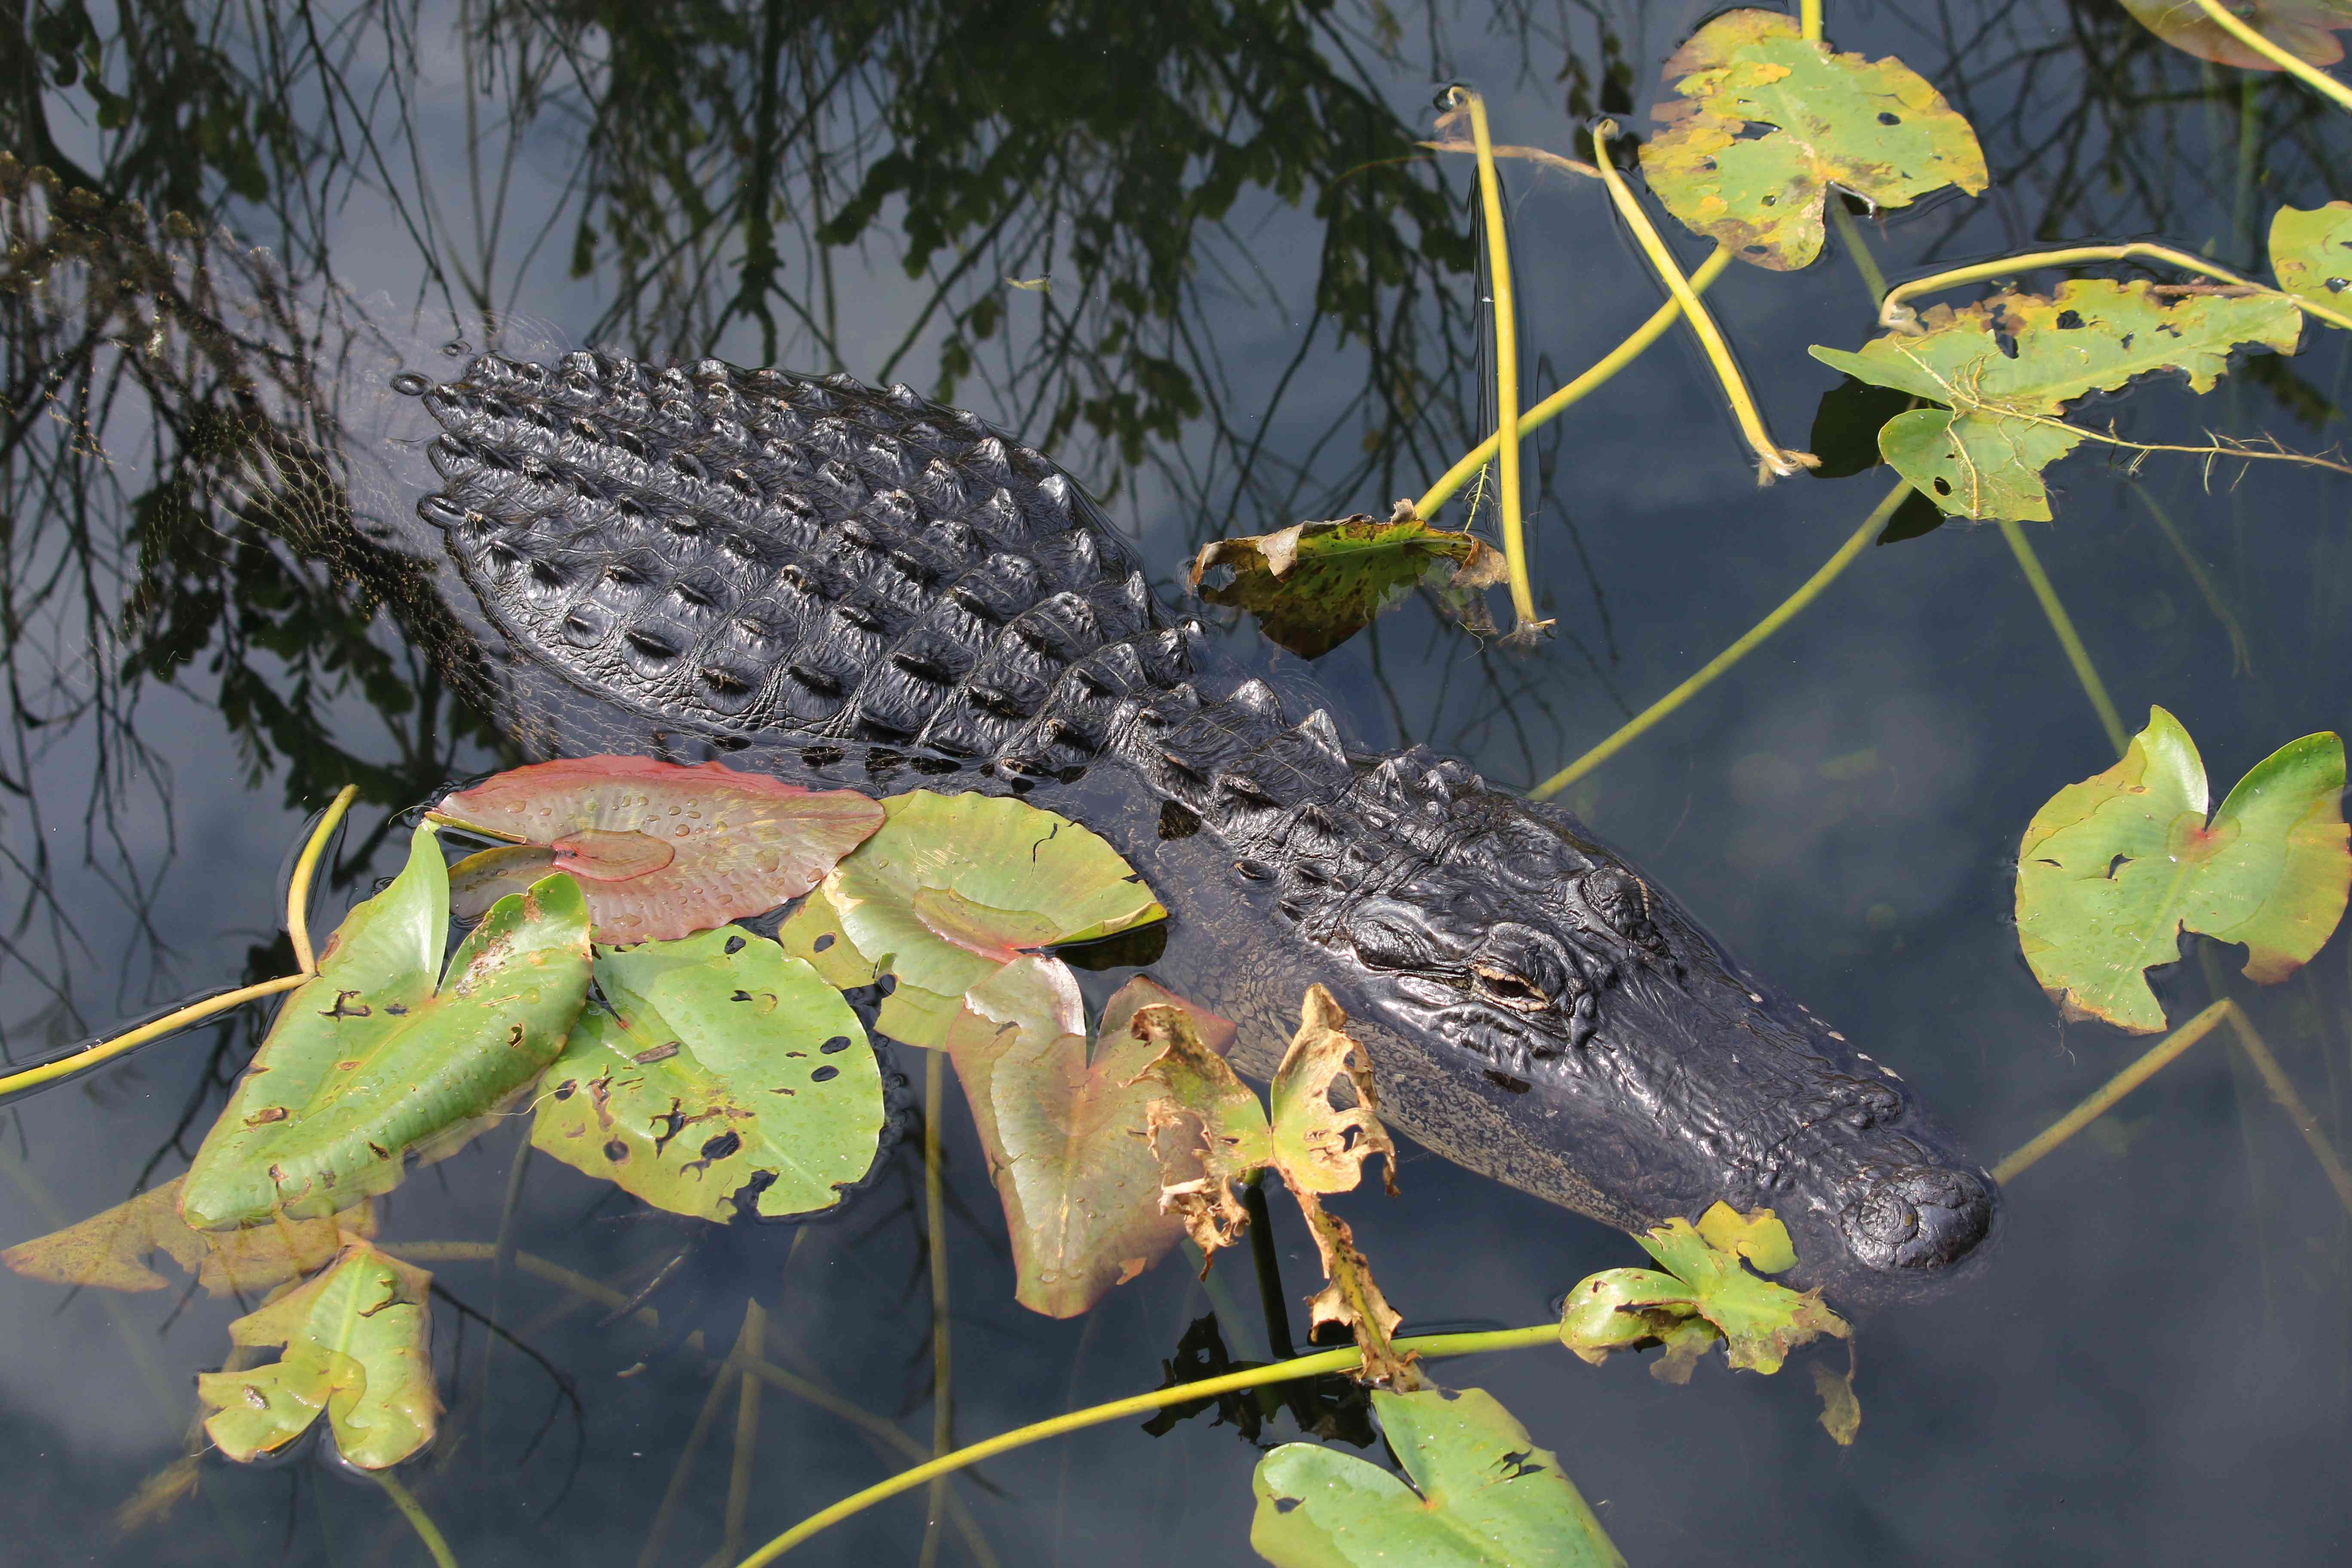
(935, 1211)
(2241, 658)
(1506, 363)
(2064, 625)
(1789, 608)
(750, 1347)
(1773, 460)
(1576, 391)
(1345, 1359)
(1857, 249)
(2283, 1091)
(418, 1520)
(2113, 1090)
(1894, 314)
(297, 890)
(2311, 76)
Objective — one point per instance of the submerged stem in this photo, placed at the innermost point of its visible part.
(418, 1520)
(935, 1211)
(2157, 1056)
(1788, 609)
(2068, 639)
(1773, 460)
(2283, 1089)
(2311, 76)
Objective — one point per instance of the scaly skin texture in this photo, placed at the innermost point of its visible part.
(848, 585)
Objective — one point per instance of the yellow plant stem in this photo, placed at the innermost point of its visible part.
(1789, 608)
(2064, 625)
(2283, 1089)
(1346, 1359)
(1575, 392)
(2311, 76)
(935, 1213)
(749, 1346)
(1774, 460)
(1809, 19)
(418, 1520)
(2157, 1056)
(297, 890)
(1894, 314)
(1506, 362)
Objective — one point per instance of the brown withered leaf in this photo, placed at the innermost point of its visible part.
(1207, 1129)
(1318, 1146)
(109, 1250)
(1350, 1298)
(1313, 586)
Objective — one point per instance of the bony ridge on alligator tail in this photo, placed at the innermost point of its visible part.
(845, 585)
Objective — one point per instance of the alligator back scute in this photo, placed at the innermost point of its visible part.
(759, 551)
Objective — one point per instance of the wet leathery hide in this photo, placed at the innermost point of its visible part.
(853, 585)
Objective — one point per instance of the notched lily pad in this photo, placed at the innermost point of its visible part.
(1766, 121)
(2113, 869)
(1481, 1495)
(950, 890)
(357, 1346)
(1313, 586)
(2303, 28)
(2310, 252)
(1699, 1292)
(1066, 1132)
(734, 1078)
(661, 851)
(109, 1250)
(2005, 369)
(380, 1055)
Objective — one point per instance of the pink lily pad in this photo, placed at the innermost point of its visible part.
(661, 851)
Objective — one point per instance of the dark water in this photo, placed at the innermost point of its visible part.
(1261, 309)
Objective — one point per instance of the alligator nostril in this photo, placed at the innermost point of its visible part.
(1918, 1217)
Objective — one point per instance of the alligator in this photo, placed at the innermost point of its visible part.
(856, 588)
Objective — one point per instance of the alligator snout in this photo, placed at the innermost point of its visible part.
(1914, 1219)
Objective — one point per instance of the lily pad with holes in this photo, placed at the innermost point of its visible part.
(381, 1056)
(1768, 121)
(1313, 586)
(725, 1077)
(1479, 1493)
(2310, 252)
(1696, 1282)
(950, 890)
(2005, 369)
(660, 850)
(2303, 28)
(2113, 869)
(357, 1346)
(110, 1251)
(1065, 1130)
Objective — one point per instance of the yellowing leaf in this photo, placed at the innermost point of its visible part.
(1482, 1495)
(2303, 28)
(357, 1346)
(1321, 1147)
(107, 1249)
(1769, 120)
(2310, 252)
(2113, 869)
(1760, 1321)
(733, 1079)
(1758, 1236)
(1313, 586)
(2006, 368)
(660, 850)
(947, 891)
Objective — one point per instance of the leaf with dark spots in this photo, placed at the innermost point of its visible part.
(661, 851)
(1481, 1495)
(697, 1088)
(950, 890)
(2113, 869)
(1313, 586)
(361, 1090)
(2310, 252)
(108, 1250)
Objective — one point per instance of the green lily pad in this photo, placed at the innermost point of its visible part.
(1065, 1133)
(1760, 1321)
(951, 889)
(371, 1060)
(357, 1345)
(2113, 869)
(1769, 120)
(2303, 28)
(109, 1250)
(1482, 1495)
(1313, 586)
(2006, 368)
(733, 1076)
(660, 850)
(2310, 252)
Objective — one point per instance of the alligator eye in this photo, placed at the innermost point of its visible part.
(1500, 986)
